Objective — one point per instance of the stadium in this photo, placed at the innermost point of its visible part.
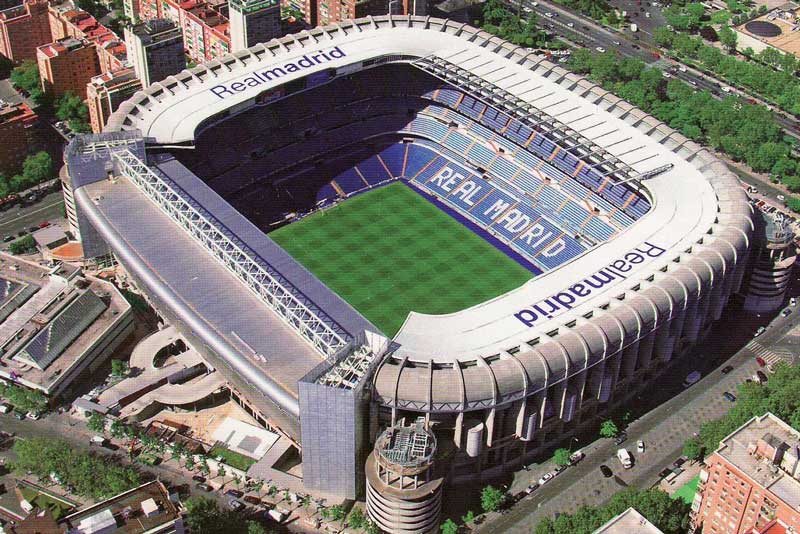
(394, 218)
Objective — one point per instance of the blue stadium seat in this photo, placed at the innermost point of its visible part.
(326, 194)
(417, 158)
(480, 154)
(393, 157)
(350, 182)
(373, 171)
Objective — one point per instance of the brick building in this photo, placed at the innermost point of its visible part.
(330, 11)
(23, 28)
(106, 92)
(751, 480)
(68, 22)
(18, 132)
(67, 65)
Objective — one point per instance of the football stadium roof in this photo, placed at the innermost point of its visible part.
(699, 215)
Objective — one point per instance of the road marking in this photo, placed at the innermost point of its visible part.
(16, 219)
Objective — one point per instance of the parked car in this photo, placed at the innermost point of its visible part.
(729, 396)
(727, 369)
(793, 301)
(761, 330)
(786, 312)
(530, 489)
(44, 224)
(640, 446)
(199, 478)
(5, 408)
(234, 493)
(547, 477)
(621, 438)
(600, 49)
(203, 487)
(19, 416)
(625, 458)
(8, 239)
(692, 378)
(235, 505)
(35, 416)
(606, 471)
(576, 457)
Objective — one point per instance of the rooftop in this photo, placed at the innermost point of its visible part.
(62, 46)
(629, 521)
(15, 112)
(137, 511)
(407, 446)
(766, 450)
(43, 328)
(778, 28)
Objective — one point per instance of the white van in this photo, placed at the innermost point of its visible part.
(5, 408)
(278, 515)
(625, 458)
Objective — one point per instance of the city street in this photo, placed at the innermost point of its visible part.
(24, 217)
(663, 429)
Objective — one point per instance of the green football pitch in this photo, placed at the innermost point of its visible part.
(390, 251)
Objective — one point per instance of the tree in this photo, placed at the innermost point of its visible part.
(221, 470)
(255, 528)
(23, 245)
(190, 463)
(72, 109)
(372, 527)
(119, 368)
(608, 429)
(26, 77)
(669, 515)
(561, 457)
(96, 423)
(727, 37)
(117, 429)
(449, 527)
(469, 517)
(491, 498)
(37, 168)
(337, 512)
(356, 519)
(692, 449)
(204, 515)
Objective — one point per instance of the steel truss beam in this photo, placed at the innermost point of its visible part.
(321, 331)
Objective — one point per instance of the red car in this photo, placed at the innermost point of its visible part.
(760, 361)
(44, 224)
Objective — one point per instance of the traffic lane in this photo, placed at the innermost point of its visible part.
(26, 221)
(586, 485)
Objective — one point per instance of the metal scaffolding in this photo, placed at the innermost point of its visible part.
(267, 283)
(559, 133)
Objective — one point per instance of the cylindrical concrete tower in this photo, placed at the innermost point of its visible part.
(403, 494)
(772, 266)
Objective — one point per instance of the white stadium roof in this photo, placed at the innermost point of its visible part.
(685, 201)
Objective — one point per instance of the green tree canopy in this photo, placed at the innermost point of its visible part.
(561, 457)
(449, 527)
(204, 515)
(608, 429)
(669, 515)
(72, 109)
(492, 498)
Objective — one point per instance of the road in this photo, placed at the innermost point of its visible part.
(663, 428)
(585, 32)
(24, 217)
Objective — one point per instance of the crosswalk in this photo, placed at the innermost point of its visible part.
(770, 356)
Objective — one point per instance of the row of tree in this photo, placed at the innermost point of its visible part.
(69, 108)
(745, 132)
(669, 515)
(599, 10)
(497, 19)
(761, 77)
(781, 396)
(204, 515)
(24, 399)
(89, 475)
(36, 168)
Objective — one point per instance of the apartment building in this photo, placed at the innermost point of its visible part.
(751, 480)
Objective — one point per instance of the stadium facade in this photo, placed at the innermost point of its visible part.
(639, 236)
